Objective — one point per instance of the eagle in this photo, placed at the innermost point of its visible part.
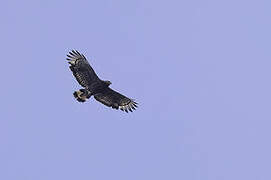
(94, 86)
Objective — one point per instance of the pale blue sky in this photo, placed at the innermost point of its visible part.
(200, 71)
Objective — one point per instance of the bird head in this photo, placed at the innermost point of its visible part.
(107, 82)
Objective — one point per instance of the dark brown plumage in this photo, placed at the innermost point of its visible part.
(93, 85)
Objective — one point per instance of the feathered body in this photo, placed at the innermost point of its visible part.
(93, 85)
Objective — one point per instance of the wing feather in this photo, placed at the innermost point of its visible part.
(115, 100)
(81, 69)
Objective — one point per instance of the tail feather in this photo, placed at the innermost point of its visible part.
(81, 95)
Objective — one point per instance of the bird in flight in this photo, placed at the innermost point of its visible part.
(94, 86)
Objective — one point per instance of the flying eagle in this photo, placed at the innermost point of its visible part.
(93, 85)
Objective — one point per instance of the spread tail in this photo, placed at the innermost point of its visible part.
(82, 95)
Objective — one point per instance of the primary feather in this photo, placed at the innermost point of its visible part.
(115, 100)
(81, 69)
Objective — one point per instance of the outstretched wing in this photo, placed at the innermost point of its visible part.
(115, 100)
(81, 69)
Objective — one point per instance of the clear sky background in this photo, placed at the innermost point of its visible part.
(200, 71)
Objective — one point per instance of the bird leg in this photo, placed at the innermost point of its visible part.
(85, 93)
